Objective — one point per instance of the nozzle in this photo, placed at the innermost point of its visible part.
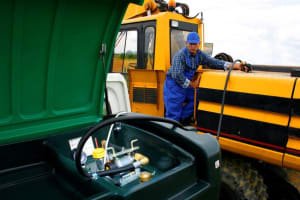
(246, 66)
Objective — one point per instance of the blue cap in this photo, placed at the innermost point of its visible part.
(193, 38)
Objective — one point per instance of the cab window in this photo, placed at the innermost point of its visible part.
(125, 51)
(178, 38)
(149, 48)
(178, 35)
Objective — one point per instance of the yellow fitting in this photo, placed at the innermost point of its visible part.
(103, 143)
(145, 176)
(98, 153)
(141, 158)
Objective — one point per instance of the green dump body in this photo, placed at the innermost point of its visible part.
(54, 57)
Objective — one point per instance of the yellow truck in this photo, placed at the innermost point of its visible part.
(260, 132)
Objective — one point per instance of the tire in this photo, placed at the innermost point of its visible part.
(240, 181)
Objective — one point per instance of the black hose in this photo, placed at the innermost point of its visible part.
(110, 121)
(291, 106)
(116, 171)
(107, 104)
(185, 8)
(223, 97)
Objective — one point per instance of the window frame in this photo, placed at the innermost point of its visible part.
(140, 27)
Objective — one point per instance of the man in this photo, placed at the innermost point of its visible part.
(179, 87)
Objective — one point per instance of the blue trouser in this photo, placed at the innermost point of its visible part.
(179, 102)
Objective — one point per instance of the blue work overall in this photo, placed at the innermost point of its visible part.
(179, 102)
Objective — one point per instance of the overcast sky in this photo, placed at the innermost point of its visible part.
(257, 31)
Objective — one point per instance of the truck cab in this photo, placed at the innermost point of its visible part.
(144, 48)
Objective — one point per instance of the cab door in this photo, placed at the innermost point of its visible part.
(134, 57)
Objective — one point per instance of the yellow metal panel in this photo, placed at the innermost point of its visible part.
(291, 161)
(293, 143)
(133, 10)
(295, 122)
(252, 151)
(245, 113)
(148, 109)
(163, 15)
(270, 84)
(162, 43)
(147, 79)
(143, 78)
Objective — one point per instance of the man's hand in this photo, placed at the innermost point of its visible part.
(242, 66)
(194, 83)
(238, 66)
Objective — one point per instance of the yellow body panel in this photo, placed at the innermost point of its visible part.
(133, 10)
(293, 143)
(252, 151)
(253, 83)
(245, 113)
(260, 153)
(153, 79)
(146, 108)
(291, 161)
(295, 122)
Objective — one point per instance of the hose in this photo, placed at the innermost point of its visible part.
(223, 97)
(116, 171)
(110, 121)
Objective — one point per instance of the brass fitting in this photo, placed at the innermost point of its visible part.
(103, 143)
(141, 158)
(145, 176)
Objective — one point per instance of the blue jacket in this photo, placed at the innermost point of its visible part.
(183, 62)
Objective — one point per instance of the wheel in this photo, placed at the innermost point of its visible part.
(240, 181)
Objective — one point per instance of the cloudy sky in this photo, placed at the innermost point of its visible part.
(257, 31)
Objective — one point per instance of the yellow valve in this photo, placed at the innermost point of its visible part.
(145, 176)
(98, 153)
